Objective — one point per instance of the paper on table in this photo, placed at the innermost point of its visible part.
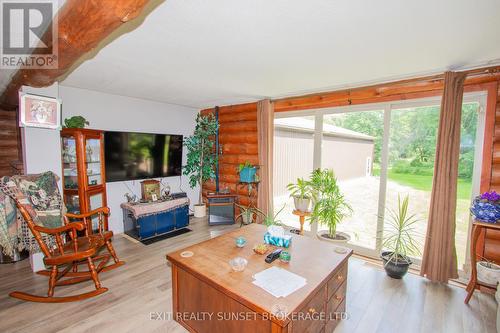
(279, 282)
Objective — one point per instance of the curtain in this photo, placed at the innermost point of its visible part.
(439, 262)
(265, 130)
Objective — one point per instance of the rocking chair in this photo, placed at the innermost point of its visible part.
(76, 251)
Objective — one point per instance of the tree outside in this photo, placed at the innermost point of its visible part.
(412, 144)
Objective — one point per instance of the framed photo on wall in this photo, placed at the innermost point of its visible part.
(39, 111)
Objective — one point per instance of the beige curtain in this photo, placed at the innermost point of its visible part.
(265, 130)
(439, 262)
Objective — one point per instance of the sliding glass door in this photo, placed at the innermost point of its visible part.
(378, 153)
(293, 158)
(352, 148)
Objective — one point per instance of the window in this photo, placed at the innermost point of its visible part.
(377, 153)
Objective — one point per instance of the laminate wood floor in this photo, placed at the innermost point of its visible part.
(141, 290)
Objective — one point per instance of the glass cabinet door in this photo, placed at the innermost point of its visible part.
(93, 161)
(95, 201)
(72, 202)
(70, 172)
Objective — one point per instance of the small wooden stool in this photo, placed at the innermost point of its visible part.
(302, 218)
(474, 283)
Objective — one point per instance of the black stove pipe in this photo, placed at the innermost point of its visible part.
(217, 151)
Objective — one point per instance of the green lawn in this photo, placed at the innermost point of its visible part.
(424, 183)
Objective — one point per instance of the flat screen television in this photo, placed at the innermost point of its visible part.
(131, 156)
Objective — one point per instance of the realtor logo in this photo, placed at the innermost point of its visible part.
(28, 34)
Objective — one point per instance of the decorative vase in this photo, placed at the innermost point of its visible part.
(485, 210)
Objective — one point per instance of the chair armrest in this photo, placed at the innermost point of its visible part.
(86, 218)
(53, 231)
(104, 210)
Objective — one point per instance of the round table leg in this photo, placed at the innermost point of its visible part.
(302, 219)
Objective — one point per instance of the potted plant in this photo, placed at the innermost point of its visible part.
(399, 240)
(247, 214)
(300, 192)
(75, 122)
(201, 157)
(329, 205)
(486, 207)
(247, 172)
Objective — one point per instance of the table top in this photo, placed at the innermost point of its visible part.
(301, 213)
(312, 259)
(489, 225)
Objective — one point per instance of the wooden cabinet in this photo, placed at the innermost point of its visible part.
(83, 172)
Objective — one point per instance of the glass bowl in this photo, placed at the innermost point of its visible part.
(238, 264)
(240, 241)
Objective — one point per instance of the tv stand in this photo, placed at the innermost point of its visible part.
(147, 220)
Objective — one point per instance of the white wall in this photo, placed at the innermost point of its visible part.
(39, 152)
(119, 113)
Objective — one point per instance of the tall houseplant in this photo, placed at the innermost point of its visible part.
(399, 240)
(301, 194)
(329, 205)
(201, 156)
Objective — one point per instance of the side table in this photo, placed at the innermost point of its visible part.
(302, 217)
(477, 228)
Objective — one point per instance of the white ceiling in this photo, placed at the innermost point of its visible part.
(205, 53)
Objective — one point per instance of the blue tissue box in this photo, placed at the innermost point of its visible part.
(284, 241)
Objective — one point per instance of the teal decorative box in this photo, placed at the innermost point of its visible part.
(284, 241)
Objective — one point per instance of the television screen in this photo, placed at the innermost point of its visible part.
(132, 156)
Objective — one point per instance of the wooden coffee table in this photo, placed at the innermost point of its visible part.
(209, 297)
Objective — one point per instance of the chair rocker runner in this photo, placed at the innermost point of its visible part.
(76, 251)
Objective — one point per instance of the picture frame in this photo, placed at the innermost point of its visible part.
(150, 189)
(39, 111)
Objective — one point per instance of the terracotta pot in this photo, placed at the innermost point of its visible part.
(200, 210)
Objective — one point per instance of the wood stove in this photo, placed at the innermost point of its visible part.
(221, 208)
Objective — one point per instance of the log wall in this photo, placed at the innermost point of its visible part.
(492, 239)
(238, 139)
(10, 143)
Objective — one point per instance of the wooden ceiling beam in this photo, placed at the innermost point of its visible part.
(82, 25)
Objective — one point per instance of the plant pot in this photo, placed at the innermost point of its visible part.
(395, 270)
(301, 204)
(247, 218)
(340, 237)
(200, 210)
(488, 273)
(247, 175)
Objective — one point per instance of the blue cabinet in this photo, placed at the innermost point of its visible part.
(165, 222)
(147, 226)
(182, 217)
(155, 224)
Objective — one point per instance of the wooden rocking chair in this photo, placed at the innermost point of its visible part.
(72, 253)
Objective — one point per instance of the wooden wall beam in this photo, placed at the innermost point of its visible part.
(82, 25)
(385, 92)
